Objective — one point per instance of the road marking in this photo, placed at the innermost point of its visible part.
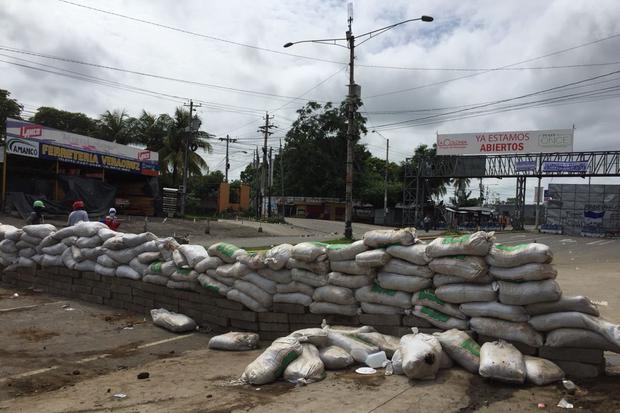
(25, 307)
(607, 242)
(93, 358)
(595, 242)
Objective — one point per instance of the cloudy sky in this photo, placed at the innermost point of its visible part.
(228, 56)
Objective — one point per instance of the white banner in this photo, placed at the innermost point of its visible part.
(482, 143)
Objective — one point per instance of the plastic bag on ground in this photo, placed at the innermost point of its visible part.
(350, 267)
(293, 298)
(579, 338)
(461, 348)
(502, 361)
(246, 300)
(177, 323)
(478, 243)
(428, 299)
(349, 281)
(211, 284)
(359, 350)
(316, 336)
(208, 263)
(260, 296)
(578, 303)
(307, 368)
(280, 276)
(277, 257)
(335, 358)
(372, 308)
(444, 279)
(372, 258)
(415, 254)
(465, 293)
(507, 330)
(397, 363)
(308, 277)
(529, 292)
(193, 253)
(234, 341)
(376, 294)
(323, 307)
(494, 309)
(421, 356)
(526, 272)
(407, 283)
(333, 294)
(467, 267)
(295, 287)
(542, 371)
(345, 252)
(225, 251)
(573, 319)
(319, 267)
(439, 319)
(262, 283)
(502, 255)
(383, 237)
(272, 363)
(308, 251)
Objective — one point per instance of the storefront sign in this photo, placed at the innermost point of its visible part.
(22, 147)
(565, 166)
(525, 166)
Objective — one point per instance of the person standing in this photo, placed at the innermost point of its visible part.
(78, 214)
(111, 220)
(36, 216)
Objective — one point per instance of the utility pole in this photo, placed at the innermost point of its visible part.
(387, 163)
(351, 132)
(188, 136)
(270, 181)
(281, 177)
(228, 140)
(264, 172)
(257, 184)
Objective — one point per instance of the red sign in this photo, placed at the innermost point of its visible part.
(30, 131)
(144, 155)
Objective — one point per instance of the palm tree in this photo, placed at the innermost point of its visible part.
(172, 152)
(151, 130)
(116, 126)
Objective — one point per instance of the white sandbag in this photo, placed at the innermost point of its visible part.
(13, 234)
(4, 228)
(27, 252)
(262, 297)
(372, 258)
(22, 262)
(56, 249)
(308, 251)
(445, 362)
(295, 287)
(8, 246)
(261, 282)
(150, 278)
(372, 308)
(125, 271)
(384, 237)
(29, 240)
(308, 277)
(318, 267)
(541, 371)
(407, 283)
(236, 270)
(529, 292)
(307, 368)
(162, 268)
(254, 260)
(208, 263)
(123, 256)
(502, 255)
(573, 319)
(124, 241)
(350, 267)
(138, 266)
(234, 341)
(465, 293)
(376, 294)
(39, 231)
(345, 252)
(420, 356)
(359, 350)
(500, 360)
(53, 261)
(166, 246)
(106, 233)
(439, 319)
(69, 241)
(66, 258)
(333, 294)
(427, 298)
(494, 309)
(149, 257)
(86, 265)
(443, 279)
(184, 285)
(88, 242)
(106, 271)
(397, 363)
(179, 259)
(335, 358)
(184, 275)
(415, 254)
(293, 298)
(387, 343)
(229, 281)
(213, 284)
(270, 365)
(83, 229)
(193, 253)
(403, 267)
(526, 272)
(579, 338)
(478, 243)
(177, 323)
(468, 267)
(282, 276)
(461, 348)
(87, 253)
(323, 307)
(577, 303)
(507, 330)
(349, 281)
(277, 257)
(316, 336)
(47, 241)
(227, 252)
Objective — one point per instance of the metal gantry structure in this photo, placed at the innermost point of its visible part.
(420, 169)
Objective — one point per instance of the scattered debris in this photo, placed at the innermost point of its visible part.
(119, 395)
(564, 404)
(601, 303)
(76, 372)
(569, 386)
(541, 405)
(15, 295)
(143, 375)
(365, 370)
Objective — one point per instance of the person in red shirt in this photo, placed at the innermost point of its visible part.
(111, 220)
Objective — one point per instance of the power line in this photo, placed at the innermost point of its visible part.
(464, 69)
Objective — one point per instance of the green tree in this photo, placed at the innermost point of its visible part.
(74, 122)
(118, 127)
(9, 108)
(151, 130)
(431, 187)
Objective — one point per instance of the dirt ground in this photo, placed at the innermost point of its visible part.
(59, 355)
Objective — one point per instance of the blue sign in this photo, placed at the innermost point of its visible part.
(525, 166)
(565, 166)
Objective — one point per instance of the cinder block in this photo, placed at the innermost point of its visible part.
(148, 287)
(308, 318)
(91, 276)
(216, 320)
(289, 308)
(301, 326)
(273, 317)
(121, 289)
(270, 335)
(413, 321)
(144, 302)
(136, 308)
(145, 294)
(282, 327)
(91, 298)
(184, 295)
(380, 319)
(114, 303)
(69, 273)
(27, 277)
(342, 320)
(123, 297)
(229, 304)
(101, 292)
(62, 285)
(244, 325)
(83, 281)
(244, 315)
(574, 369)
(582, 355)
(81, 289)
(170, 306)
(63, 278)
(44, 281)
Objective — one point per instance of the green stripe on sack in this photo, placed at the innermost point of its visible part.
(212, 288)
(456, 240)
(379, 290)
(511, 248)
(471, 346)
(183, 271)
(434, 314)
(155, 267)
(227, 249)
(288, 359)
(428, 294)
(334, 247)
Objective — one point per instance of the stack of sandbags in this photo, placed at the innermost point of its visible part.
(275, 271)
(25, 251)
(9, 236)
(120, 252)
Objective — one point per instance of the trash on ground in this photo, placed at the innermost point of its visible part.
(119, 395)
(143, 375)
(564, 404)
(174, 322)
(365, 370)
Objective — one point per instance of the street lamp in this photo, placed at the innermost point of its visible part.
(387, 155)
(352, 96)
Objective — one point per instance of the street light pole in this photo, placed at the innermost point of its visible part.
(387, 163)
(186, 158)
